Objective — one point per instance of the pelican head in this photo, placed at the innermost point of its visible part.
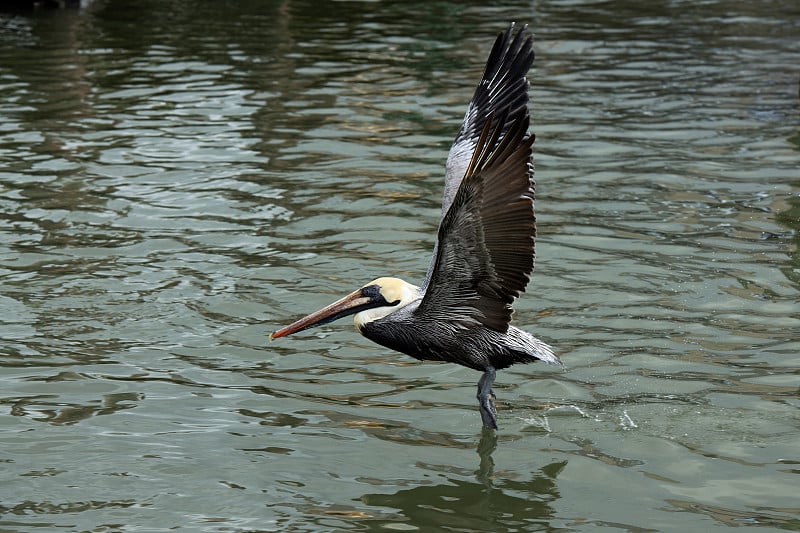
(373, 301)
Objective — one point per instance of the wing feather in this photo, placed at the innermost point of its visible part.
(502, 86)
(485, 248)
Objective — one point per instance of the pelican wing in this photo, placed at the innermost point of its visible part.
(502, 86)
(485, 249)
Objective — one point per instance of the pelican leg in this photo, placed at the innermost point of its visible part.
(486, 399)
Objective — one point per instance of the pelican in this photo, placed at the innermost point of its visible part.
(484, 252)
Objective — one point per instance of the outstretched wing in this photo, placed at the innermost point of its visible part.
(485, 249)
(503, 86)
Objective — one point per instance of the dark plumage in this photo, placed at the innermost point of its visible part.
(484, 252)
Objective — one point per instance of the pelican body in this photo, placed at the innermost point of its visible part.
(484, 251)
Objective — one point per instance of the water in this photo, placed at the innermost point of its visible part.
(177, 179)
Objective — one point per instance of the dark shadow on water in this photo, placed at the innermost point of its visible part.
(790, 217)
(486, 448)
(55, 410)
(490, 503)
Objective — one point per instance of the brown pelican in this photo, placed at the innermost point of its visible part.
(484, 251)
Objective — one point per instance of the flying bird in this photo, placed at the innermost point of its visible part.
(484, 251)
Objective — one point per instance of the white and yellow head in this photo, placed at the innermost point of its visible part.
(394, 293)
(373, 301)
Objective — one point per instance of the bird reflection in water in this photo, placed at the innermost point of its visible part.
(490, 503)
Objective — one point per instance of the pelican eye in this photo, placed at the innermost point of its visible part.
(371, 291)
(374, 293)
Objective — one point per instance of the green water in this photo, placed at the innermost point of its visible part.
(178, 178)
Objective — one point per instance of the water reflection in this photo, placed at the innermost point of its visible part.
(170, 172)
(476, 506)
(790, 218)
(736, 517)
(52, 408)
(486, 447)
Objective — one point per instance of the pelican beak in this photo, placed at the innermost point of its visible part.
(364, 298)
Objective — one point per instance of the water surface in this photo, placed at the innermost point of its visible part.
(177, 179)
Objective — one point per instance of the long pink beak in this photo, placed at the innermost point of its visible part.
(349, 305)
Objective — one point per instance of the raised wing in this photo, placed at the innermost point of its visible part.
(485, 249)
(503, 86)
